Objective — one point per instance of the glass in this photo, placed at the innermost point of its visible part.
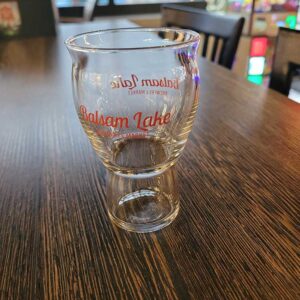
(136, 93)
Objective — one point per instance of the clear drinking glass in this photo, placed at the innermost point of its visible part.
(136, 93)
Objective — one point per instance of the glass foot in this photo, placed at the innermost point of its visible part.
(145, 210)
(142, 204)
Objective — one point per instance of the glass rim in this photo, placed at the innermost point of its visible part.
(69, 42)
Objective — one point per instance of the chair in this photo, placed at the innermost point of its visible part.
(87, 15)
(226, 30)
(286, 60)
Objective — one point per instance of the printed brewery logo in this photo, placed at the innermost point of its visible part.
(140, 120)
(134, 81)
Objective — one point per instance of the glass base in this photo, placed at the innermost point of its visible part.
(145, 210)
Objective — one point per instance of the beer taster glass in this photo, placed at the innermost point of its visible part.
(136, 93)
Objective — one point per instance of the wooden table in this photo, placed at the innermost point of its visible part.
(237, 234)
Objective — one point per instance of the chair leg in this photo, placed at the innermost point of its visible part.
(89, 10)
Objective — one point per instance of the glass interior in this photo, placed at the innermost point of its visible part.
(132, 38)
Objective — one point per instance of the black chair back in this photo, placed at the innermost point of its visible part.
(225, 30)
(286, 60)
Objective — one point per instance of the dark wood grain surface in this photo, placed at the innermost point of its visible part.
(237, 233)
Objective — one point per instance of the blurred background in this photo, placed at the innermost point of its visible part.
(253, 49)
(257, 44)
